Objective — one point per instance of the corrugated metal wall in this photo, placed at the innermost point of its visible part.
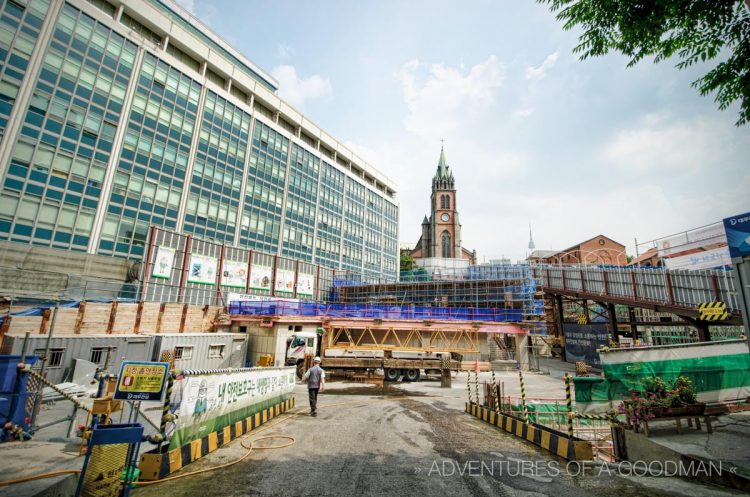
(202, 355)
(126, 347)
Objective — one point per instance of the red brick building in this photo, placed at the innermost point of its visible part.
(597, 250)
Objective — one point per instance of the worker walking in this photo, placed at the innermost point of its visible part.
(316, 378)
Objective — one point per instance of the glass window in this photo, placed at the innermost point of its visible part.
(149, 189)
(62, 163)
(48, 214)
(28, 209)
(67, 218)
(23, 152)
(44, 155)
(8, 205)
(84, 222)
(109, 229)
(80, 166)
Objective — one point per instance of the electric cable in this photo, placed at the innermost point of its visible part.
(5, 483)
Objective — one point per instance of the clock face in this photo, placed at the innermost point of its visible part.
(445, 216)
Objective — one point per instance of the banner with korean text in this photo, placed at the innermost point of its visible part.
(208, 402)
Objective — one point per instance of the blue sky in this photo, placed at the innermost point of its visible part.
(532, 134)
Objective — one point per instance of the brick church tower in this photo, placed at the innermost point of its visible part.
(441, 232)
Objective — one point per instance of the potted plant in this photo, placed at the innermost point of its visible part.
(673, 403)
(656, 390)
(636, 409)
(689, 396)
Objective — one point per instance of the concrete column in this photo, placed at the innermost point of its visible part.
(286, 195)
(25, 91)
(118, 13)
(522, 351)
(343, 217)
(191, 160)
(615, 336)
(633, 326)
(245, 166)
(114, 158)
(559, 317)
(317, 210)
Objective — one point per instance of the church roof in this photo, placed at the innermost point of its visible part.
(443, 170)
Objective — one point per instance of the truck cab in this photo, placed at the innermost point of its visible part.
(299, 345)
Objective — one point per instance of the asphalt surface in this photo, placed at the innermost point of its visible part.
(412, 439)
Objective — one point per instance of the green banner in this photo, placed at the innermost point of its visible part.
(719, 371)
(208, 402)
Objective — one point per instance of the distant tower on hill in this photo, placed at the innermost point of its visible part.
(531, 241)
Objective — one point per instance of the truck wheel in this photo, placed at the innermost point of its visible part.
(300, 369)
(391, 374)
(412, 375)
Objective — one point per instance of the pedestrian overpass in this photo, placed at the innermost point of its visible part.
(680, 292)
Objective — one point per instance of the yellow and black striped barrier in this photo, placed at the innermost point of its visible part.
(156, 465)
(571, 448)
(569, 405)
(713, 311)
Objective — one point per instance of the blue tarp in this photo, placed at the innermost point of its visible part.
(376, 311)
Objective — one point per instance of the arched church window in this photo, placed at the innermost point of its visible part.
(447, 201)
(446, 244)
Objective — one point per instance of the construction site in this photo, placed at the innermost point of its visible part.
(485, 339)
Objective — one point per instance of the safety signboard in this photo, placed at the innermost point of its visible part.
(141, 380)
(713, 311)
(738, 234)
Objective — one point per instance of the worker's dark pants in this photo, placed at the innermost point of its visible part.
(313, 398)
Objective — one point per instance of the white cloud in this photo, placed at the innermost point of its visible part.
(537, 73)
(284, 51)
(188, 5)
(448, 97)
(657, 144)
(525, 112)
(297, 90)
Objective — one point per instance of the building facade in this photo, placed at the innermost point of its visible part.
(118, 115)
(441, 232)
(597, 250)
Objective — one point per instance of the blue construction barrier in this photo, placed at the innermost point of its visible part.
(13, 394)
(372, 311)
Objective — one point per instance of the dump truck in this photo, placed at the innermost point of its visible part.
(407, 364)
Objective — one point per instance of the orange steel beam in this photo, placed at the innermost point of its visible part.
(363, 336)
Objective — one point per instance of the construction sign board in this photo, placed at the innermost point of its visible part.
(713, 311)
(141, 380)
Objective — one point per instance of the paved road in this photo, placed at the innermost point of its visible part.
(421, 444)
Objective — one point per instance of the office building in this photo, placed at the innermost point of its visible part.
(118, 115)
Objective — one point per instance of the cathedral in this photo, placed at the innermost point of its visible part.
(441, 231)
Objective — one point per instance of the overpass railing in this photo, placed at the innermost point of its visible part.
(682, 288)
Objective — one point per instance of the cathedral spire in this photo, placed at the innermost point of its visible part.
(443, 177)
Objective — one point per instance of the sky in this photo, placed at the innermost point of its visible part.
(534, 136)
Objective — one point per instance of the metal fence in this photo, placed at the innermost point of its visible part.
(686, 288)
(182, 269)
